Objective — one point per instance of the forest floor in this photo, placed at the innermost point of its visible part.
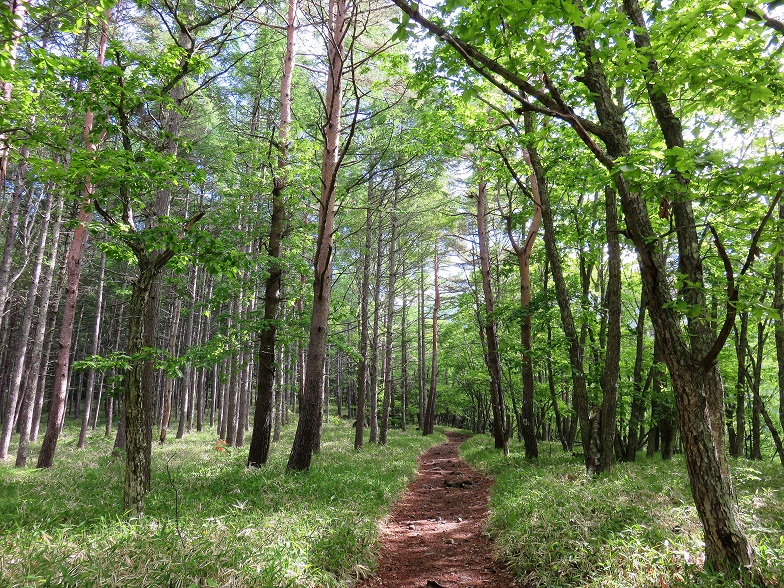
(434, 536)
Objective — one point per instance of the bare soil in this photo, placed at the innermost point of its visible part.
(435, 536)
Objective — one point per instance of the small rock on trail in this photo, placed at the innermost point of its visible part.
(434, 536)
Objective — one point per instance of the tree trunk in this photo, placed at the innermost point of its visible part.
(73, 265)
(430, 411)
(23, 336)
(27, 412)
(778, 304)
(88, 399)
(312, 397)
(137, 399)
(421, 347)
(637, 411)
(188, 377)
(403, 365)
(168, 389)
(612, 357)
(523, 252)
(374, 342)
(492, 356)
(741, 345)
(17, 10)
(364, 327)
(389, 319)
(580, 392)
(266, 368)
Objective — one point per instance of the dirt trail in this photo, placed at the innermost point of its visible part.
(433, 537)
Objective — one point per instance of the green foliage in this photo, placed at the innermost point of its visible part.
(635, 527)
(210, 520)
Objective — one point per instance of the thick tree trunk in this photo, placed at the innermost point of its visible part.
(137, 399)
(310, 412)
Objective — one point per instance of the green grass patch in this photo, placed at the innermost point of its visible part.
(635, 527)
(210, 520)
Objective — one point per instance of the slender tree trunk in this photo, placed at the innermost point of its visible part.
(637, 411)
(265, 398)
(88, 400)
(188, 379)
(15, 385)
(27, 412)
(741, 345)
(492, 355)
(430, 411)
(389, 320)
(17, 10)
(403, 365)
(580, 392)
(310, 411)
(612, 357)
(168, 387)
(778, 326)
(523, 252)
(421, 347)
(364, 326)
(73, 265)
(374, 344)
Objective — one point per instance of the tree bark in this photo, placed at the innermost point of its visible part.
(266, 366)
(389, 319)
(430, 410)
(492, 356)
(523, 252)
(27, 412)
(364, 327)
(778, 304)
(73, 265)
(88, 399)
(311, 409)
(612, 357)
(637, 411)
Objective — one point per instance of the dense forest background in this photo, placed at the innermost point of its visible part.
(552, 222)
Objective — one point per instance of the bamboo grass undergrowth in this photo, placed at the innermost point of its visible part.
(210, 521)
(636, 527)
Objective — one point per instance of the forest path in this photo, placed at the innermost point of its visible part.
(434, 536)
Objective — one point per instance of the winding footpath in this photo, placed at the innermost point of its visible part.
(434, 537)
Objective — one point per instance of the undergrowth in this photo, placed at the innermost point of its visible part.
(636, 527)
(210, 520)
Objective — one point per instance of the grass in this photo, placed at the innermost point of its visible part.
(210, 520)
(634, 528)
